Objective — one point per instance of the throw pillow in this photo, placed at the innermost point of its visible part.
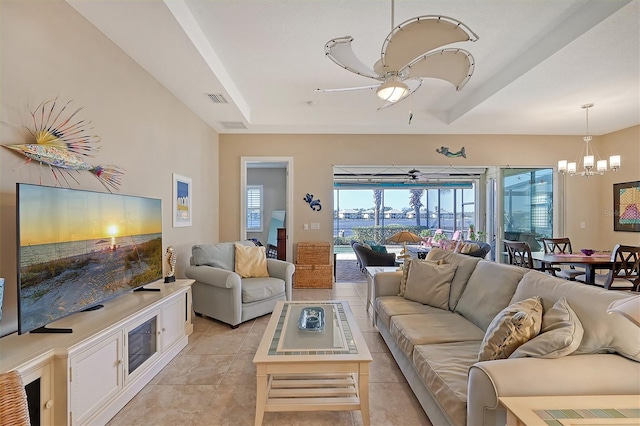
(513, 326)
(405, 272)
(251, 261)
(429, 283)
(465, 248)
(379, 249)
(560, 335)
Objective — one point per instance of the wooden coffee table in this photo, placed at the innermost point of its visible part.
(305, 370)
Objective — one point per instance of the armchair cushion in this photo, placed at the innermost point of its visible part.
(219, 255)
(251, 262)
(256, 289)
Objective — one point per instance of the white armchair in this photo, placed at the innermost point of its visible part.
(220, 293)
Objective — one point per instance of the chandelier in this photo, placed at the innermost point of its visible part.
(590, 157)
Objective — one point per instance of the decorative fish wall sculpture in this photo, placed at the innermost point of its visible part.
(445, 151)
(61, 143)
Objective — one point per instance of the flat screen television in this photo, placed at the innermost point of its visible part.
(78, 249)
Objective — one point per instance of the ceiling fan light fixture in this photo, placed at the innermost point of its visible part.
(392, 91)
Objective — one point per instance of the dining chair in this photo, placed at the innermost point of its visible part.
(561, 245)
(520, 255)
(625, 273)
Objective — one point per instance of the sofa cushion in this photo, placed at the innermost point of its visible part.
(406, 268)
(443, 369)
(219, 255)
(256, 289)
(422, 329)
(389, 306)
(250, 262)
(429, 283)
(513, 326)
(561, 334)
(465, 266)
(603, 333)
(489, 290)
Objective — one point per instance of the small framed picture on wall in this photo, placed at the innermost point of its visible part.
(182, 197)
(626, 206)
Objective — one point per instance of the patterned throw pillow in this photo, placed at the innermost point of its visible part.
(251, 261)
(405, 272)
(513, 326)
(560, 335)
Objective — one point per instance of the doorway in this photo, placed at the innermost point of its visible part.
(266, 190)
(527, 204)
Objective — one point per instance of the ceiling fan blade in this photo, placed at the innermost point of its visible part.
(420, 35)
(413, 84)
(339, 51)
(348, 89)
(453, 65)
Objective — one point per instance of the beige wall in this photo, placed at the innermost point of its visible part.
(315, 155)
(627, 144)
(49, 50)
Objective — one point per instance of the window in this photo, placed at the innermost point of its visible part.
(375, 213)
(254, 208)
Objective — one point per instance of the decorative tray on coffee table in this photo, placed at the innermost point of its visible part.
(311, 319)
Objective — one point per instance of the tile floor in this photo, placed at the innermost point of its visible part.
(212, 381)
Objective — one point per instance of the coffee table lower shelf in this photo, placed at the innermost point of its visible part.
(311, 392)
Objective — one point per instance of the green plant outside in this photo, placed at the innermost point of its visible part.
(378, 234)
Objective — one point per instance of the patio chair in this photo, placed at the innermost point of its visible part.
(368, 257)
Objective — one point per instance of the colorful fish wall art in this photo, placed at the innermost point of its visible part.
(62, 143)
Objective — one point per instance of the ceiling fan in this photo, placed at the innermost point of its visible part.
(409, 53)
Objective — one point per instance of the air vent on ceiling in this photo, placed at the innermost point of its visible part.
(217, 98)
(233, 125)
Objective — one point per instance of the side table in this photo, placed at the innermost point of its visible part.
(572, 410)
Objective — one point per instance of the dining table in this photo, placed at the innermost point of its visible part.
(598, 260)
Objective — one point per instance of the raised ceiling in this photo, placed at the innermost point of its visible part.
(537, 62)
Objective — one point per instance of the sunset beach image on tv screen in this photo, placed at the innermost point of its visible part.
(79, 248)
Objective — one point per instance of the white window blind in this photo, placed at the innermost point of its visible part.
(254, 208)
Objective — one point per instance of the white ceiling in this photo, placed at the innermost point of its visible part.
(536, 61)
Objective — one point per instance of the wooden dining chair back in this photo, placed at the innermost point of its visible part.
(557, 245)
(14, 409)
(625, 273)
(519, 253)
(561, 246)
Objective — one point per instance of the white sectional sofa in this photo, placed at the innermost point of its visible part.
(437, 349)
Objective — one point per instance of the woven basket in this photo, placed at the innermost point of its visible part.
(313, 276)
(13, 400)
(314, 254)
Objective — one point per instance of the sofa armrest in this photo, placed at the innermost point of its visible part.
(213, 276)
(284, 271)
(386, 284)
(601, 374)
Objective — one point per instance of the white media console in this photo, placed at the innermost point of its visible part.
(87, 376)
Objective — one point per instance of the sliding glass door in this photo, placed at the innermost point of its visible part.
(527, 205)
